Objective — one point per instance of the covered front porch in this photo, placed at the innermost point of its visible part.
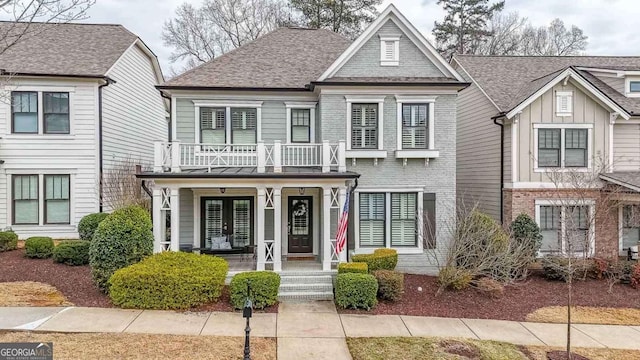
(282, 222)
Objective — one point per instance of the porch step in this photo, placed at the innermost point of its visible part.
(305, 296)
(306, 287)
(306, 279)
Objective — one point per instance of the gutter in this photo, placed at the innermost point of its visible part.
(228, 88)
(455, 84)
(495, 121)
(108, 81)
(3, 72)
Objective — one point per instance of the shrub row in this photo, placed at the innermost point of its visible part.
(390, 284)
(8, 241)
(381, 259)
(356, 291)
(39, 247)
(72, 252)
(263, 285)
(353, 267)
(169, 280)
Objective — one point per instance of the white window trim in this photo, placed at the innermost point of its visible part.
(627, 86)
(41, 202)
(430, 151)
(312, 119)
(562, 128)
(379, 153)
(570, 202)
(396, 52)
(41, 134)
(622, 252)
(228, 105)
(559, 111)
(418, 249)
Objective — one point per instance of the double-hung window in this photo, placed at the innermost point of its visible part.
(56, 112)
(56, 199)
(563, 146)
(372, 219)
(300, 125)
(415, 126)
(364, 126)
(404, 212)
(549, 145)
(630, 227)
(25, 199)
(213, 125)
(550, 228)
(24, 112)
(575, 147)
(244, 124)
(564, 228)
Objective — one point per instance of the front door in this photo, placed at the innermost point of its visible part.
(300, 224)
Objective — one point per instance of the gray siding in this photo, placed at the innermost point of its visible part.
(366, 61)
(186, 216)
(478, 160)
(185, 120)
(626, 146)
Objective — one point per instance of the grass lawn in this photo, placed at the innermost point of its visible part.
(142, 346)
(30, 293)
(436, 348)
(586, 315)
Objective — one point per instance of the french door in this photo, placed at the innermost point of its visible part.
(226, 223)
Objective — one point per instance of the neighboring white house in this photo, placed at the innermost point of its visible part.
(75, 99)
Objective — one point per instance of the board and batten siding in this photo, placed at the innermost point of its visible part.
(585, 111)
(478, 152)
(74, 154)
(626, 146)
(134, 113)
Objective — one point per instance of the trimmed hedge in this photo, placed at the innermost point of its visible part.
(72, 252)
(122, 239)
(169, 280)
(89, 224)
(381, 259)
(264, 288)
(8, 241)
(353, 267)
(390, 284)
(356, 291)
(38, 247)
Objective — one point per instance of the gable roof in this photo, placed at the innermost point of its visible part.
(509, 81)
(70, 49)
(287, 58)
(393, 14)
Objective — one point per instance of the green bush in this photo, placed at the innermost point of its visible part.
(89, 224)
(72, 252)
(122, 239)
(356, 291)
(40, 247)
(390, 284)
(169, 280)
(559, 268)
(525, 230)
(381, 259)
(353, 267)
(454, 278)
(8, 241)
(264, 288)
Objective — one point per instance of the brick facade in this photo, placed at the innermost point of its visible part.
(517, 201)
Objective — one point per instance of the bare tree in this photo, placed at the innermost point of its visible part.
(199, 34)
(554, 40)
(121, 187)
(506, 34)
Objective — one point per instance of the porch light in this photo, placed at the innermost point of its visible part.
(223, 190)
(301, 191)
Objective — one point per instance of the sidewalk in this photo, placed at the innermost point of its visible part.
(312, 330)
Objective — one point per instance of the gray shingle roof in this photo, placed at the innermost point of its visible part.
(629, 179)
(65, 49)
(390, 79)
(285, 58)
(508, 80)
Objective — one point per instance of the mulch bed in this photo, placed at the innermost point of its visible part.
(517, 301)
(224, 304)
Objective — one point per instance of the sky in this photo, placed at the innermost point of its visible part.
(602, 20)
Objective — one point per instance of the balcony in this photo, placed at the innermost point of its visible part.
(177, 156)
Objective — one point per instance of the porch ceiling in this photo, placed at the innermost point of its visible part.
(627, 179)
(251, 172)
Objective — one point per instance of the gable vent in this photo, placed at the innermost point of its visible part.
(389, 50)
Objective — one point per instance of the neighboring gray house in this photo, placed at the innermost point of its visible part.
(532, 117)
(75, 99)
(268, 138)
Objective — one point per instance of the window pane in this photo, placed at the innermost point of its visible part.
(244, 136)
(56, 112)
(212, 136)
(25, 122)
(300, 134)
(213, 224)
(372, 219)
(364, 123)
(403, 219)
(550, 228)
(549, 147)
(57, 212)
(575, 147)
(243, 124)
(634, 86)
(25, 212)
(56, 196)
(300, 125)
(56, 123)
(241, 223)
(414, 126)
(24, 108)
(25, 199)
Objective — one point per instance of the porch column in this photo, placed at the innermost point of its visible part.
(277, 229)
(326, 228)
(342, 197)
(261, 205)
(158, 235)
(175, 219)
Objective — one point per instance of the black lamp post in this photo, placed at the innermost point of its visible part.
(246, 313)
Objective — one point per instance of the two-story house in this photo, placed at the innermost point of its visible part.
(75, 100)
(271, 139)
(525, 122)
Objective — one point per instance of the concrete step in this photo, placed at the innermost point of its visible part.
(305, 287)
(307, 273)
(305, 295)
(322, 279)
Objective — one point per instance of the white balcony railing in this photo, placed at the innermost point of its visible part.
(176, 156)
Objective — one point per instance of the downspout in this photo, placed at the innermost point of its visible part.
(495, 121)
(108, 81)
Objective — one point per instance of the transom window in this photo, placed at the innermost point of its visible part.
(564, 228)
(364, 126)
(300, 125)
(25, 199)
(25, 112)
(213, 125)
(564, 147)
(415, 126)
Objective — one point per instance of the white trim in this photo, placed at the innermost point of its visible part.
(612, 122)
(371, 90)
(562, 128)
(416, 99)
(227, 103)
(396, 50)
(366, 154)
(350, 99)
(570, 202)
(417, 154)
(412, 33)
(576, 77)
(312, 118)
(627, 86)
(174, 120)
(569, 110)
(541, 185)
(515, 141)
(621, 229)
(40, 173)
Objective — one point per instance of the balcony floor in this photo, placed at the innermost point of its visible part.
(251, 172)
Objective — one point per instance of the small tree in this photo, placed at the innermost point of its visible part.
(526, 231)
(121, 187)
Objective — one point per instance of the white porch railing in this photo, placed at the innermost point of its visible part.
(176, 156)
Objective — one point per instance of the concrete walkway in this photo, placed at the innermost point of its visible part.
(312, 330)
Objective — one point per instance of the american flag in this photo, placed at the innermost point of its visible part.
(341, 236)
